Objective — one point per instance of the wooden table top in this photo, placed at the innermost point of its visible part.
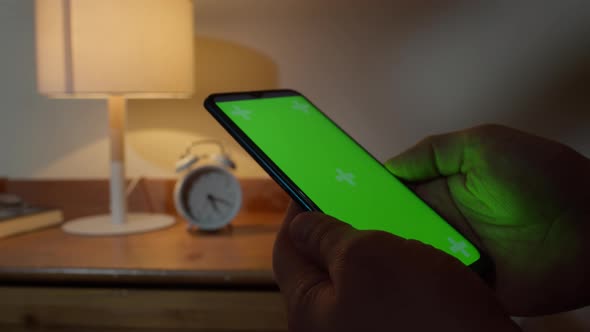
(237, 257)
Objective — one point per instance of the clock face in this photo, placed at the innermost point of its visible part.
(210, 197)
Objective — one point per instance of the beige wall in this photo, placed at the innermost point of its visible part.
(239, 45)
(361, 62)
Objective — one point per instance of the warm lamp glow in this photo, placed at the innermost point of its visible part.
(130, 48)
(115, 49)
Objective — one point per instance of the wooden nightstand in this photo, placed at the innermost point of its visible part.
(165, 280)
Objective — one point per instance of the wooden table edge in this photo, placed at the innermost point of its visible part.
(112, 277)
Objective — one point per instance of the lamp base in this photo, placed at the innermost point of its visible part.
(102, 225)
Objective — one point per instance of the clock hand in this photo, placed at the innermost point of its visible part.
(224, 201)
(213, 201)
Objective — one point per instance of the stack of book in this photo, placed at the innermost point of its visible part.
(21, 218)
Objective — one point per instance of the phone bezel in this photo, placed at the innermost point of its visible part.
(483, 266)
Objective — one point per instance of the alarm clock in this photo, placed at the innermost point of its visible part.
(207, 194)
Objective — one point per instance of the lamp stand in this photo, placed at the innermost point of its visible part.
(119, 221)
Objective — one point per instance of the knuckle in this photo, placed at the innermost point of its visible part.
(301, 286)
(304, 285)
(324, 232)
(307, 226)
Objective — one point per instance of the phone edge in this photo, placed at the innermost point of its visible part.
(259, 156)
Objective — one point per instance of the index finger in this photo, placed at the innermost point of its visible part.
(435, 156)
(294, 273)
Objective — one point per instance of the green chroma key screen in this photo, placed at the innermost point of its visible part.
(339, 176)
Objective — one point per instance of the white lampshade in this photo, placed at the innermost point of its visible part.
(100, 48)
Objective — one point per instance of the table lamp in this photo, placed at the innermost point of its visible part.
(116, 50)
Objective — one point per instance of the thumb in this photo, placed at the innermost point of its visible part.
(435, 156)
(320, 238)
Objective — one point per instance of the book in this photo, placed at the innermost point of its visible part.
(23, 219)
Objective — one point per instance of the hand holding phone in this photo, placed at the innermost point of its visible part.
(336, 278)
(523, 182)
(522, 197)
(324, 169)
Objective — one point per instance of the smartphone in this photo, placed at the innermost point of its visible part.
(324, 169)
